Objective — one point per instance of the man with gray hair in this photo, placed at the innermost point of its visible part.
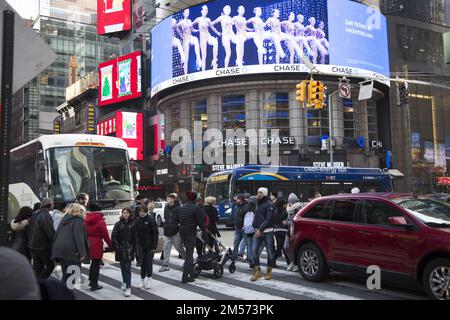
(40, 235)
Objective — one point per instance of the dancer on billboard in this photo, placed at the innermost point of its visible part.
(259, 34)
(290, 39)
(204, 23)
(314, 43)
(300, 34)
(240, 22)
(176, 43)
(186, 28)
(228, 35)
(275, 32)
(325, 45)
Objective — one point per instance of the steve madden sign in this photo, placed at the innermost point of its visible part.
(287, 141)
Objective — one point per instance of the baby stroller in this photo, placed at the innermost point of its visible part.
(213, 260)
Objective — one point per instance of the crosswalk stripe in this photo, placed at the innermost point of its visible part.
(275, 287)
(159, 288)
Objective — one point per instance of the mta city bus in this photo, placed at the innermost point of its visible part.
(61, 167)
(225, 185)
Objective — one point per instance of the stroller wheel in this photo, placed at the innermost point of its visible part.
(232, 267)
(197, 270)
(218, 271)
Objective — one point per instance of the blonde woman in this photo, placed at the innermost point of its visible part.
(213, 218)
(71, 246)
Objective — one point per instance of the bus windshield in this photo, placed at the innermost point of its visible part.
(218, 189)
(102, 173)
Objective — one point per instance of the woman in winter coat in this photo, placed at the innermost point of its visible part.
(280, 228)
(213, 219)
(124, 244)
(19, 224)
(294, 206)
(71, 246)
(147, 236)
(97, 233)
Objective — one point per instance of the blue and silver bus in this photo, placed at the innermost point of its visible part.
(304, 181)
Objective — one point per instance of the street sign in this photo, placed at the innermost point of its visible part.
(345, 90)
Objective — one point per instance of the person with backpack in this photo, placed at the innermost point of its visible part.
(249, 230)
(18, 239)
(147, 236)
(124, 244)
(171, 230)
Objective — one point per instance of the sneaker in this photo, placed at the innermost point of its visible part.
(148, 282)
(142, 284)
(164, 268)
(123, 287)
(295, 269)
(290, 267)
(127, 292)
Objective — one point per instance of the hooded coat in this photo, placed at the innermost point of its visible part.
(124, 240)
(97, 233)
(19, 242)
(71, 242)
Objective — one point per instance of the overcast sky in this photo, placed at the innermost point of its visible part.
(26, 8)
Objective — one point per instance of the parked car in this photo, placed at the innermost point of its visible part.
(159, 213)
(407, 238)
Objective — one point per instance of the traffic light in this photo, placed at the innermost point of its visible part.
(301, 91)
(316, 94)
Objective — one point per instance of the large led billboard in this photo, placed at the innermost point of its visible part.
(113, 16)
(120, 79)
(130, 127)
(230, 38)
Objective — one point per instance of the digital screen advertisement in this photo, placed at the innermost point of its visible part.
(120, 79)
(113, 16)
(231, 38)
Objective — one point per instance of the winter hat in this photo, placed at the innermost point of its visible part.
(173, 196)
(292, 198)
(264, 191)
(191, 196)
(17, 277)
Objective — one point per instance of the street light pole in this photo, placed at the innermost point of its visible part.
(330, 126)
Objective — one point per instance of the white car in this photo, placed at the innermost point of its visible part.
(159, 213)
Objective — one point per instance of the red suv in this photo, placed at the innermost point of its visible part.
(405, 237)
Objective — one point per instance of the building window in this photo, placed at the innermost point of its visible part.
(372, 120)
(175, 122)
(275, 113)
(199, 113)
(317, 122)
(349, 119)
(233, 112)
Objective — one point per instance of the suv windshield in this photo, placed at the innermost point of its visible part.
(433, 213)
(102, 173)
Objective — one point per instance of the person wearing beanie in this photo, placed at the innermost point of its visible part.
(264, 232)
(294, 206)
(191, 217)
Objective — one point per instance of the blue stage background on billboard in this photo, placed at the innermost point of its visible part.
(198, 42)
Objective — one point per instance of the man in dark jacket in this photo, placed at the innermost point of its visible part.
(171, 230)
(191, 217)
(40, 239)
(263, 225)
(147, 235)
(242, 209)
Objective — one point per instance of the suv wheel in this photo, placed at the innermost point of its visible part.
(311, 263)
(436, 279)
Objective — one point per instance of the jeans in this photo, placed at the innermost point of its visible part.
(188, 269)
(287, 251)
(94, 272)
(248, 241)
(147, 263)
(42, 264)
(242, 247)
(176, 242)
(267, 240)
(65, 264)
(125, 268)
(238, 237)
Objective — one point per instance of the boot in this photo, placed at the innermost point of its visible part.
(269, 274)
(256, 274)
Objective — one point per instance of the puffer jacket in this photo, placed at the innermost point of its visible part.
(240, 215)
(19, 242)
(280, 215)
(124, 240)
(40, 232)
(264, 216)
(292, 210)
(71, 241)
(191, 217)
(97, 233)
(172, 219)
(146, 232)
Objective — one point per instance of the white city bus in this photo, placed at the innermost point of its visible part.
(63, 166)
